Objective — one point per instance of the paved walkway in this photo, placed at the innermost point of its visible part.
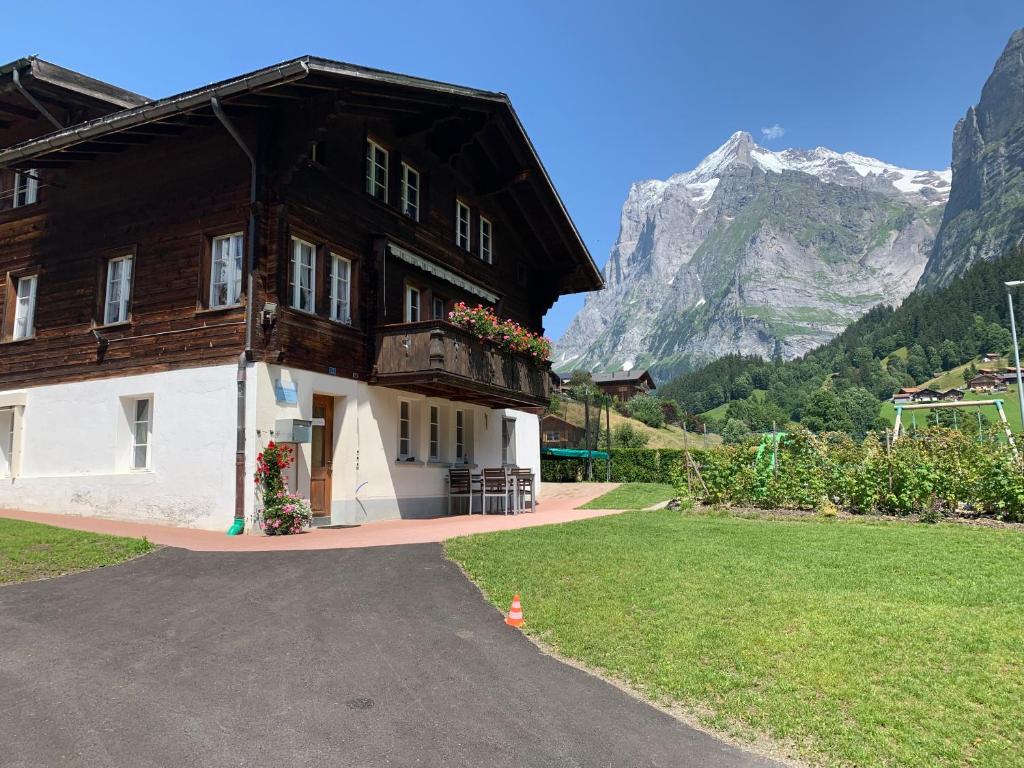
(344, 657)
(557, 504)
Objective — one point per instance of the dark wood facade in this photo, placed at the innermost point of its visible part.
(162, 189)
(624, 385)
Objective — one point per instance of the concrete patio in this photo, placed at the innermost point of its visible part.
(557, 504)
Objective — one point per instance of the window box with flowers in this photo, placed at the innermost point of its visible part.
(506, 335)
(282, 512)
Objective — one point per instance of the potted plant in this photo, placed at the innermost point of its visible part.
(283, 512)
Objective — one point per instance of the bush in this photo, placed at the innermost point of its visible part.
(629, 465)
(647, 408)
(937, 470)
(627, 436)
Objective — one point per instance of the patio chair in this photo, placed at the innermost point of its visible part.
(461, 486)
(525, 486)
(499, 485)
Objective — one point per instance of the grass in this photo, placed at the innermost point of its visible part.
(669, 436)
(632, 496)
(847, 643)
(954, 377)
(31, 551)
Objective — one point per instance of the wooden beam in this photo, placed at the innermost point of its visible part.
(501, 186)
(12, 109)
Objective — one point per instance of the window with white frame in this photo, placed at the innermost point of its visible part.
(117, 299)
(25, 308)
(6, 442)
(303, 275)
(142, 433)
(462, 225)
(376, 170)
(410, 192)
(435, 433)
(412, 304)
(341, 289)
(226, 270)
(460, 436)
(26, 188)
(404, 429)
(485, 240)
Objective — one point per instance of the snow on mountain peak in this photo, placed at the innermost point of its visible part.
(847, 168)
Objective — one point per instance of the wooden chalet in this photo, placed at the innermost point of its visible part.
(271, 257)
(624, 385)
(987, 382)
(556, 432)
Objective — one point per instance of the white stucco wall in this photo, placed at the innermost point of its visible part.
(75, 441)
(73, 444)
(366, 443)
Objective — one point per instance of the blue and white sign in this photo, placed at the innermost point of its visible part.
(286, 392)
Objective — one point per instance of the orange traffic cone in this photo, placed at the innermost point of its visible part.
(515, 614)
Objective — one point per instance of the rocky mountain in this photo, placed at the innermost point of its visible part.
(985, 214)
(755, 251)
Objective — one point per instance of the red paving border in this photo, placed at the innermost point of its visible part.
(557, 505)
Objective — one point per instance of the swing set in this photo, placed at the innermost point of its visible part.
(898, 430)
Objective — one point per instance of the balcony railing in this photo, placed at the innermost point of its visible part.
(438, 359)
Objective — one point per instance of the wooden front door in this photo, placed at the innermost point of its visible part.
(323, 455)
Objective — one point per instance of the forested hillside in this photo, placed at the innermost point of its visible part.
(840, 385)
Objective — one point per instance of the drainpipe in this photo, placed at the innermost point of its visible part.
(33, 101)
(247, 354)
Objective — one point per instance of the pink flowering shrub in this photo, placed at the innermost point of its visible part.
(507, 335)
(283, 512)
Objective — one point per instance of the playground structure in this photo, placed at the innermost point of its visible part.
(898, 430)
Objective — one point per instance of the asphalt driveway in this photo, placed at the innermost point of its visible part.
(372, 657)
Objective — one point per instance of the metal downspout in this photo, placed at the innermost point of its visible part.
(33, 101)
(247, 355)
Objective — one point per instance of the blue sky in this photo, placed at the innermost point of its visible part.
(610, 92)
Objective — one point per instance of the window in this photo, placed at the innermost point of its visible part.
(142, 431)
(26, 188)
(461, 224)
(437, 308)
(508, 441)
(25, 308)
(485, 240)
(117, 298)
(552, 437)
(226, 270)
(6, 442)
(318, 152)
(412, 304)
(460, 436)
(376, 171)
(410, 192)
(435, 433)
(341, 289)
(303, 274)
(404, 429)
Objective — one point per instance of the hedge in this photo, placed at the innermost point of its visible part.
(629, 465)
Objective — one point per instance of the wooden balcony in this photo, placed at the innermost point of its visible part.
(438, 359)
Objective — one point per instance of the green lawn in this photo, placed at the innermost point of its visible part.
(32, 551)
(632, 496)
(848, 643)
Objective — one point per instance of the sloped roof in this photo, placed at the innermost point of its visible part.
(624, 377)
(36, 71)
(72, 143)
